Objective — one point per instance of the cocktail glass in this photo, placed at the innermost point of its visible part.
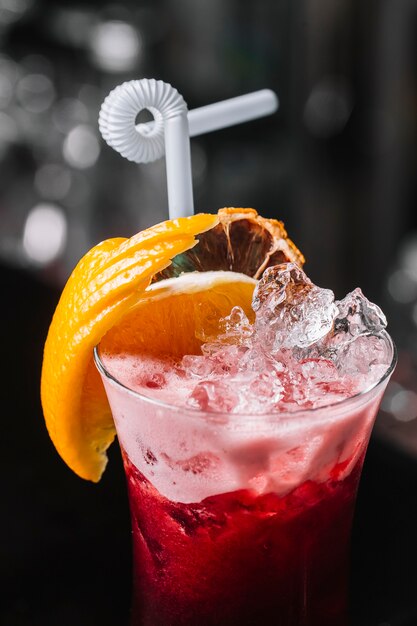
(241, 519)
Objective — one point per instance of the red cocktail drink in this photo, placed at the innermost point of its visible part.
(243, 462)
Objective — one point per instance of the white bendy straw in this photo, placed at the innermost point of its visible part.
(171, 129)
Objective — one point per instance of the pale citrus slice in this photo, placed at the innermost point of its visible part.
(108, 285)
(174, 316)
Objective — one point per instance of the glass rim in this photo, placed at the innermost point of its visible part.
(339, 404)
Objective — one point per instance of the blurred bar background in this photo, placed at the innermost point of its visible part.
(336, 163)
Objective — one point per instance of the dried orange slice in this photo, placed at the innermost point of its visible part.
(242, 241)
(111, 280)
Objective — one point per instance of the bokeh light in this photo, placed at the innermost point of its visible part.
(45, 233)
(401, 403)
(328, 106)
(81, 147)
(35, 92)
(402, 286)
(115, 46)
(13, 10)
(36, 64)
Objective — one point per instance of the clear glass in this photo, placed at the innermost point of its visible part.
(241, 519)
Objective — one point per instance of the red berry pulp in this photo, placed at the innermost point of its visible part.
(241, 558)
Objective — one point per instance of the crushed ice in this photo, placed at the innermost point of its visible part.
(304, 350)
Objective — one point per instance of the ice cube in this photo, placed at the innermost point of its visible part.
(357, 316)
(195, 366)
(276, 285)
(291, 312)
(237, 324)
(213, 396)
(366, 356)
(357, 343)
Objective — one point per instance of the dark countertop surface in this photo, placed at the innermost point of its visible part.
(65, 548)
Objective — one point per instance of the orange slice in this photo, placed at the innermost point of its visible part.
(175, 316)
(103, 286)
(110, 281)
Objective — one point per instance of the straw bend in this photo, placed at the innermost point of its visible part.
(169, 133)
(140, 143)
